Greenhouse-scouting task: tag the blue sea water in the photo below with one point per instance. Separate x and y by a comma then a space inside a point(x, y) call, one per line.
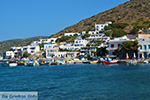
point(79, 82)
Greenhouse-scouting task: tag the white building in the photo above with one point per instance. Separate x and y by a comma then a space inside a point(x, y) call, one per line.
point(54, 53)
point(100, 27)
point(8, 54)
point(115, 43)
point(79, 42)
point(66, 46)
point(144, 50)
point(83, 50)
point(71, 34)
point(17, 51)
point(51, 40)
point(49, 46)
point(100, 36)
point(31, 49)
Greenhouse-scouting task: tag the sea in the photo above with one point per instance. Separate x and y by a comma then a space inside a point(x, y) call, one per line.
point(79, 81)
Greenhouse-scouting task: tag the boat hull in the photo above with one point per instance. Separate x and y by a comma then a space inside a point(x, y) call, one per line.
point(93, 62)
point(106, 63)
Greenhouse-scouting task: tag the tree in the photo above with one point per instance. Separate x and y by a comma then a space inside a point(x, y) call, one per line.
point(118, 33)
point(115, 30)
point(101, 51)
point(136, 29)
point(129, 47)
point(26, 54)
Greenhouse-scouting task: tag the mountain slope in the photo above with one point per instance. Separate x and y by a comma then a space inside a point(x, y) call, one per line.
point(6, 45)
point(134, 12)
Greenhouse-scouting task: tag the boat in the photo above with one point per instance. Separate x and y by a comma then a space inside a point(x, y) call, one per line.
point(9, 63)
point(31, 63)
point(94, 62)
point(109, 61)
point(85, 62)
point(146, 61)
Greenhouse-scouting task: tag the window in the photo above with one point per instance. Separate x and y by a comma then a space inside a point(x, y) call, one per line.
point(148, 46)
point(145, 47)
point(112, 45)
point(141, 47)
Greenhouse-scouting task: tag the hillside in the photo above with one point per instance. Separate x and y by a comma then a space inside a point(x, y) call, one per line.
point(134, 12)
point(6, 45)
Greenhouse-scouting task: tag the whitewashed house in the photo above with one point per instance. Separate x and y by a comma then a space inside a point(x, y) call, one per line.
point(67, 46)
point(115, 43)
point(17, 51)
point(100, 27)
point(8, 54)
point(49, 46)
point(51, 40)
point(71, 34)
point(31, 49)
point(79, 42)
point(88, 50)
point(55, 53)
point(144, 50)
point(100, 36)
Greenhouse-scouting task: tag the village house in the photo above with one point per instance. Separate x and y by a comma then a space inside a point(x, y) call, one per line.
point(144, 49)
point(8, 54)
point(115, 43)
point(49, 45)
point(17, 51)
point(87, 50)
point(71, 34)
point(55, 53)
point(51, 40)
point(31, 49)
point(100, 27)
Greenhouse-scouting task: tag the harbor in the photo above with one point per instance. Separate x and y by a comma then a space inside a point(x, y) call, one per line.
point(78, 81)
point(69, 61)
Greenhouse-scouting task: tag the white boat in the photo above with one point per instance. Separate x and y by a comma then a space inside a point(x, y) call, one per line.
point(146, 61)
point(9, 64)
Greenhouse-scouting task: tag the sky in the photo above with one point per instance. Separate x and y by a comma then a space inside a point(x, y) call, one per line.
point(29, 18)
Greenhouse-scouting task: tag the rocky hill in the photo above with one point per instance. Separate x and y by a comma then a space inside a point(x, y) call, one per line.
point(134, 12)
point(6, 45)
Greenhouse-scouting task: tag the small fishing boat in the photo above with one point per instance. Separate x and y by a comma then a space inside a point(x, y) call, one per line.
point(146, 61)
point(109, 61)
point(85, 62)
point(94, 62)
